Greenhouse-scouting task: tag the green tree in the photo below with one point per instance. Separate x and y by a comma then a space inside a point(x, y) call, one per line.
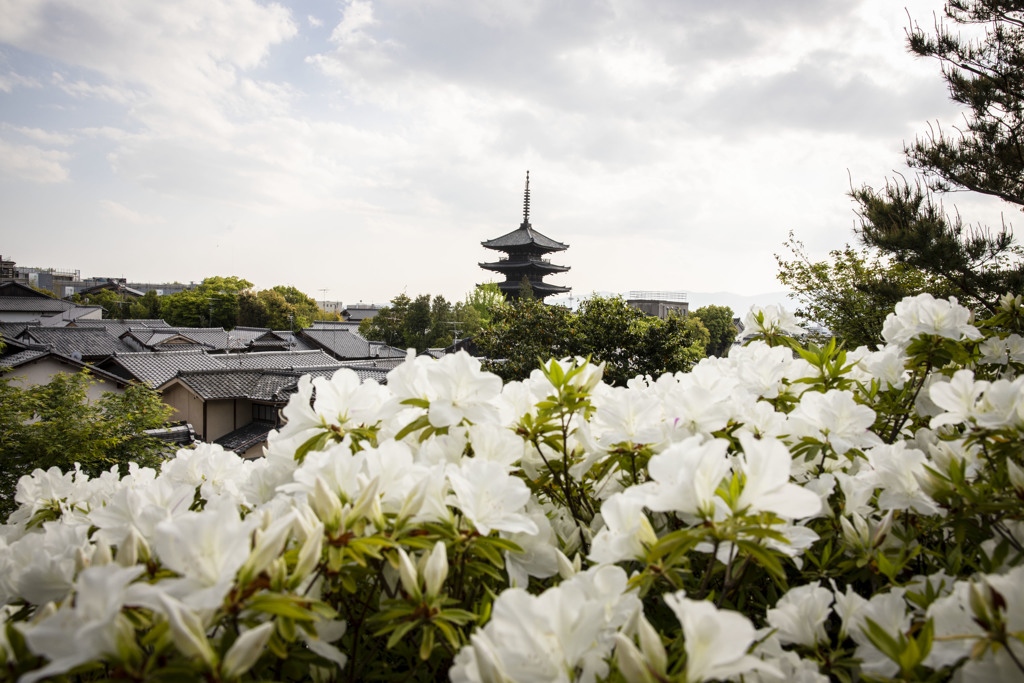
point(852, 292)
point(484, 299)
point(523, 332)
point(213, 303)
point(56, 424)
point(115, 305)
point(421, 323)
point(147, 307)
point(986, 155)
point(719, 323)
point(304, 307)
point(526, 331)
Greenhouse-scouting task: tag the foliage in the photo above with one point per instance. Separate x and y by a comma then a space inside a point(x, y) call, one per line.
point(852, 292)
point(115, 304)
point(986, 155)
point(786, 513)
point(606, 329)
point(718, 320)
point(483, 300)
point(424, 322)
point(57, 425)
point(986, 75)
point(146, 307)
point(212, 303)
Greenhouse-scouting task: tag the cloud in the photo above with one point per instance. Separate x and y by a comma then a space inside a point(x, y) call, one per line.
point(12, 80)
point(111, 210)
point(314, 21)
point(43, 137)
point(29, 162)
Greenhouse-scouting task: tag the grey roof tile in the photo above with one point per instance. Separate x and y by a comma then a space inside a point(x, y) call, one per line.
point(524, 236)
point(154, 368)
point(91, 343)
point(341, 344)
point(282, 360)
point(244, 438)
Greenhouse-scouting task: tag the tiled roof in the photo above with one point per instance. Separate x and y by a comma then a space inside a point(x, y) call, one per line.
point(90, 342)
point(336, 324)
point(523, 236)
point(341, 344)
point(258, 385)
point(281, 360)
point(150, 337)
point(116, 328)
point(34, 305)
point(71, 315)
point(21, 357)
point(359, 313)
point(244, 438)
point(154, 368)
point(10, 330)
point(31, 356)
point(295, 341)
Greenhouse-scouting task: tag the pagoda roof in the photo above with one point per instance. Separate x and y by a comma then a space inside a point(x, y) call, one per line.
point(522, 265)
point(539, 288)
point(525, 236)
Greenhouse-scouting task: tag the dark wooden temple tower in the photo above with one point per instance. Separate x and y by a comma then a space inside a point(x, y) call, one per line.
point(525, 248)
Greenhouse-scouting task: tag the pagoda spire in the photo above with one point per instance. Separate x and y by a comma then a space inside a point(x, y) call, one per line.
point(526, 201)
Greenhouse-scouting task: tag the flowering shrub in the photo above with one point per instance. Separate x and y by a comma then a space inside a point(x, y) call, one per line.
point(784, 513)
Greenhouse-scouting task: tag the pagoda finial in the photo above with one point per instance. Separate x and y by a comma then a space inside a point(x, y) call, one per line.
point(526, 201)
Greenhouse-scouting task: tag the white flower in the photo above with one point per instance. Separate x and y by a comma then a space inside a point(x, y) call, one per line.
point(490, 498)
point(924, 314)
point(626, 530)
point(835, 418)
point(888, 365)
point(463, 392)
point(90, 629)
point(716, 640)
point(958, 397)
point(246, 650)
point(685, 476)
point(1001, 351)
point(898, 471)
point(800, 614)
point(771, 319)
point(889, 611)
point(765, 464)
point(206, 548)
point(546, 637)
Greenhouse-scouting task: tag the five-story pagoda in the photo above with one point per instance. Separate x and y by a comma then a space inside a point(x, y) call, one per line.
point(525, 248)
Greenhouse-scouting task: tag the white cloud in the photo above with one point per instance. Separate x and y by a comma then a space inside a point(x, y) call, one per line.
point(29, 162)
point(44, 137)
point(314, 21)
point(11, 80)
point(111, 210)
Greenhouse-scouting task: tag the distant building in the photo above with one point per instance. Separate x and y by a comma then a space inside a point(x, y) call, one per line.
point(525, 248)
point(659, 304)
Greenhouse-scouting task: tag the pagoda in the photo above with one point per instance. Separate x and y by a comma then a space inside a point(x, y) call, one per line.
point(525, 248)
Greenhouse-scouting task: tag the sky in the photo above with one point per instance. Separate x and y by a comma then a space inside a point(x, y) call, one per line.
point(364, 148)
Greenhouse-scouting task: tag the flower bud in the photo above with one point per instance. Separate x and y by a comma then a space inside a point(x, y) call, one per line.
point(1016, 476)
point(653, 648)
point(246, 650)
point(436, 569)
point(630, 661)
point(326, 505)
point(407, 574)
